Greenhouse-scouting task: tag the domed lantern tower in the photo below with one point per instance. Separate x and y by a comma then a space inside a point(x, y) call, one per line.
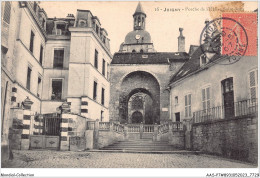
point(139, 18)
point(138, 40)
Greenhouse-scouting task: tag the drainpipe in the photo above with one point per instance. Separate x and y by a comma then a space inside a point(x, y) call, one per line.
point(6, 86)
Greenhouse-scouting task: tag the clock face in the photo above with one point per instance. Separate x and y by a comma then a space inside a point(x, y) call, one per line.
point(137, 37)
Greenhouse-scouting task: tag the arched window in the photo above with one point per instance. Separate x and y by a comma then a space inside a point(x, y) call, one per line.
point(141, 51)
point(133, 51)
point(137, 103)
point(139, 21)
point(143, 21)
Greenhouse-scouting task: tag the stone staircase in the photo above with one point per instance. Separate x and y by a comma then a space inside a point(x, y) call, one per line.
point(140, 145)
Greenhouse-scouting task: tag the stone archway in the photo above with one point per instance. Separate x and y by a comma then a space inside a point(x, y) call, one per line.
point(143, 84)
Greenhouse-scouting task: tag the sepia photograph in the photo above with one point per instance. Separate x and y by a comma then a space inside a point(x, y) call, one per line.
point(129, 84)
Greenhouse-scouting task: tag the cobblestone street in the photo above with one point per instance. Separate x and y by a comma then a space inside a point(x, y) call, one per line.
point(59, 159)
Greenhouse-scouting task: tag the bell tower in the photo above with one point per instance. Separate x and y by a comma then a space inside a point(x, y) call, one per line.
point(139, 18)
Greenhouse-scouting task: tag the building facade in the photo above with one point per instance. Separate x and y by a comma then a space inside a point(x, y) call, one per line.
point(41, 63)
point(205, 88)
point(140, 75)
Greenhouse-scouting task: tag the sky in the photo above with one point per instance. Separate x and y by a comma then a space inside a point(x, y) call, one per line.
point(163, 26)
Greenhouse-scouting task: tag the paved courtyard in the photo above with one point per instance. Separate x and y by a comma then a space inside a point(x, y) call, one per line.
point(60, 159)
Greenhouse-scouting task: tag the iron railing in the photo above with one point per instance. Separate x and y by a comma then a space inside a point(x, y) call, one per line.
point(238, 109)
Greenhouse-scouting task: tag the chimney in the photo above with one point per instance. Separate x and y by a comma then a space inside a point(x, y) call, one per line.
point(181, 41)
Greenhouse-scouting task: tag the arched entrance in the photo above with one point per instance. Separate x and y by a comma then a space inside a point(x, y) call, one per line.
point(140, 93)
point(137, 117)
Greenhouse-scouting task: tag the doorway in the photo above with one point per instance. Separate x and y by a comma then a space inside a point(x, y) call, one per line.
point(228, 97)
point(137, 117)
point(177, 117)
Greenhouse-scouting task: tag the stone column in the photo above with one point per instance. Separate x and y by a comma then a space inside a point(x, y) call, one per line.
point(96, 134)
point(25, 142)
point(170, 133)
point(111, 125)
point(155, 133)
point(126, 132)
point(64, 125)
point(141, 130)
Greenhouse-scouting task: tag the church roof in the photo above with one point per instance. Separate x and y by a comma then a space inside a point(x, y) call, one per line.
point(149, 58)
point(139, 9)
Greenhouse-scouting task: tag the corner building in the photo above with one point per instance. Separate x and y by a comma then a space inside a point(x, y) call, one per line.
point(140, 75)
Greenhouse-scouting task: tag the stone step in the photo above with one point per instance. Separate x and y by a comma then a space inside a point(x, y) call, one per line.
point(142, 149)
point(126, 145)
point(140, 145)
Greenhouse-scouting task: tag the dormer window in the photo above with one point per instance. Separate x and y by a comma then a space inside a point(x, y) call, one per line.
point(203, 60)
point(82, 23)
point(60, 28)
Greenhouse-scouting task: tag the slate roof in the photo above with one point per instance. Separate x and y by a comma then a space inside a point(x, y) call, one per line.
point(191, 65)
point(149, 58)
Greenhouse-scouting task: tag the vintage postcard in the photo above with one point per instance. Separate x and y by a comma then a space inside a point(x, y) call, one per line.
point(129, 84)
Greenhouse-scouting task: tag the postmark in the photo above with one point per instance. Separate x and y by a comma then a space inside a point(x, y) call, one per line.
point(226, 37)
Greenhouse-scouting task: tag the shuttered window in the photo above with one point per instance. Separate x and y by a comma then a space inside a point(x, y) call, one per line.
point(103, 96)
point(41, 54)
point(206, 98)
point(28, 82)
point(32, 41)
point(188, 105)
point(96, 59)
point(7, 12)
point(95, 90)
point(253, 84)
point(104, 67)
point(58, 58)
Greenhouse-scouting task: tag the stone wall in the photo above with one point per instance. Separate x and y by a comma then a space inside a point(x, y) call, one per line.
point(177, 139)
point(232, 138)
point(109, 137)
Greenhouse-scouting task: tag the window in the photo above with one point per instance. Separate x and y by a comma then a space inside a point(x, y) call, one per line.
point(7, 12)
point(107, 72)
point(41, 54)
point(253, 84)
point(141, 51)
point(203, 60)
point(133, 51)
point(58, 58)
point(96, 59)
point(95, 90)
point(32, 41)
point(103, 96)
point(39, 86)
point(102, 116)
point(104, 67)
point(206, 99)
point(188, 105)
point(28, 83)
point(137, 103)
point(56, 89)
point(176, 100)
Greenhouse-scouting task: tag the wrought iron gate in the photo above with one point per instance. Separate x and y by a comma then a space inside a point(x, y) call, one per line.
point(47, 132)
